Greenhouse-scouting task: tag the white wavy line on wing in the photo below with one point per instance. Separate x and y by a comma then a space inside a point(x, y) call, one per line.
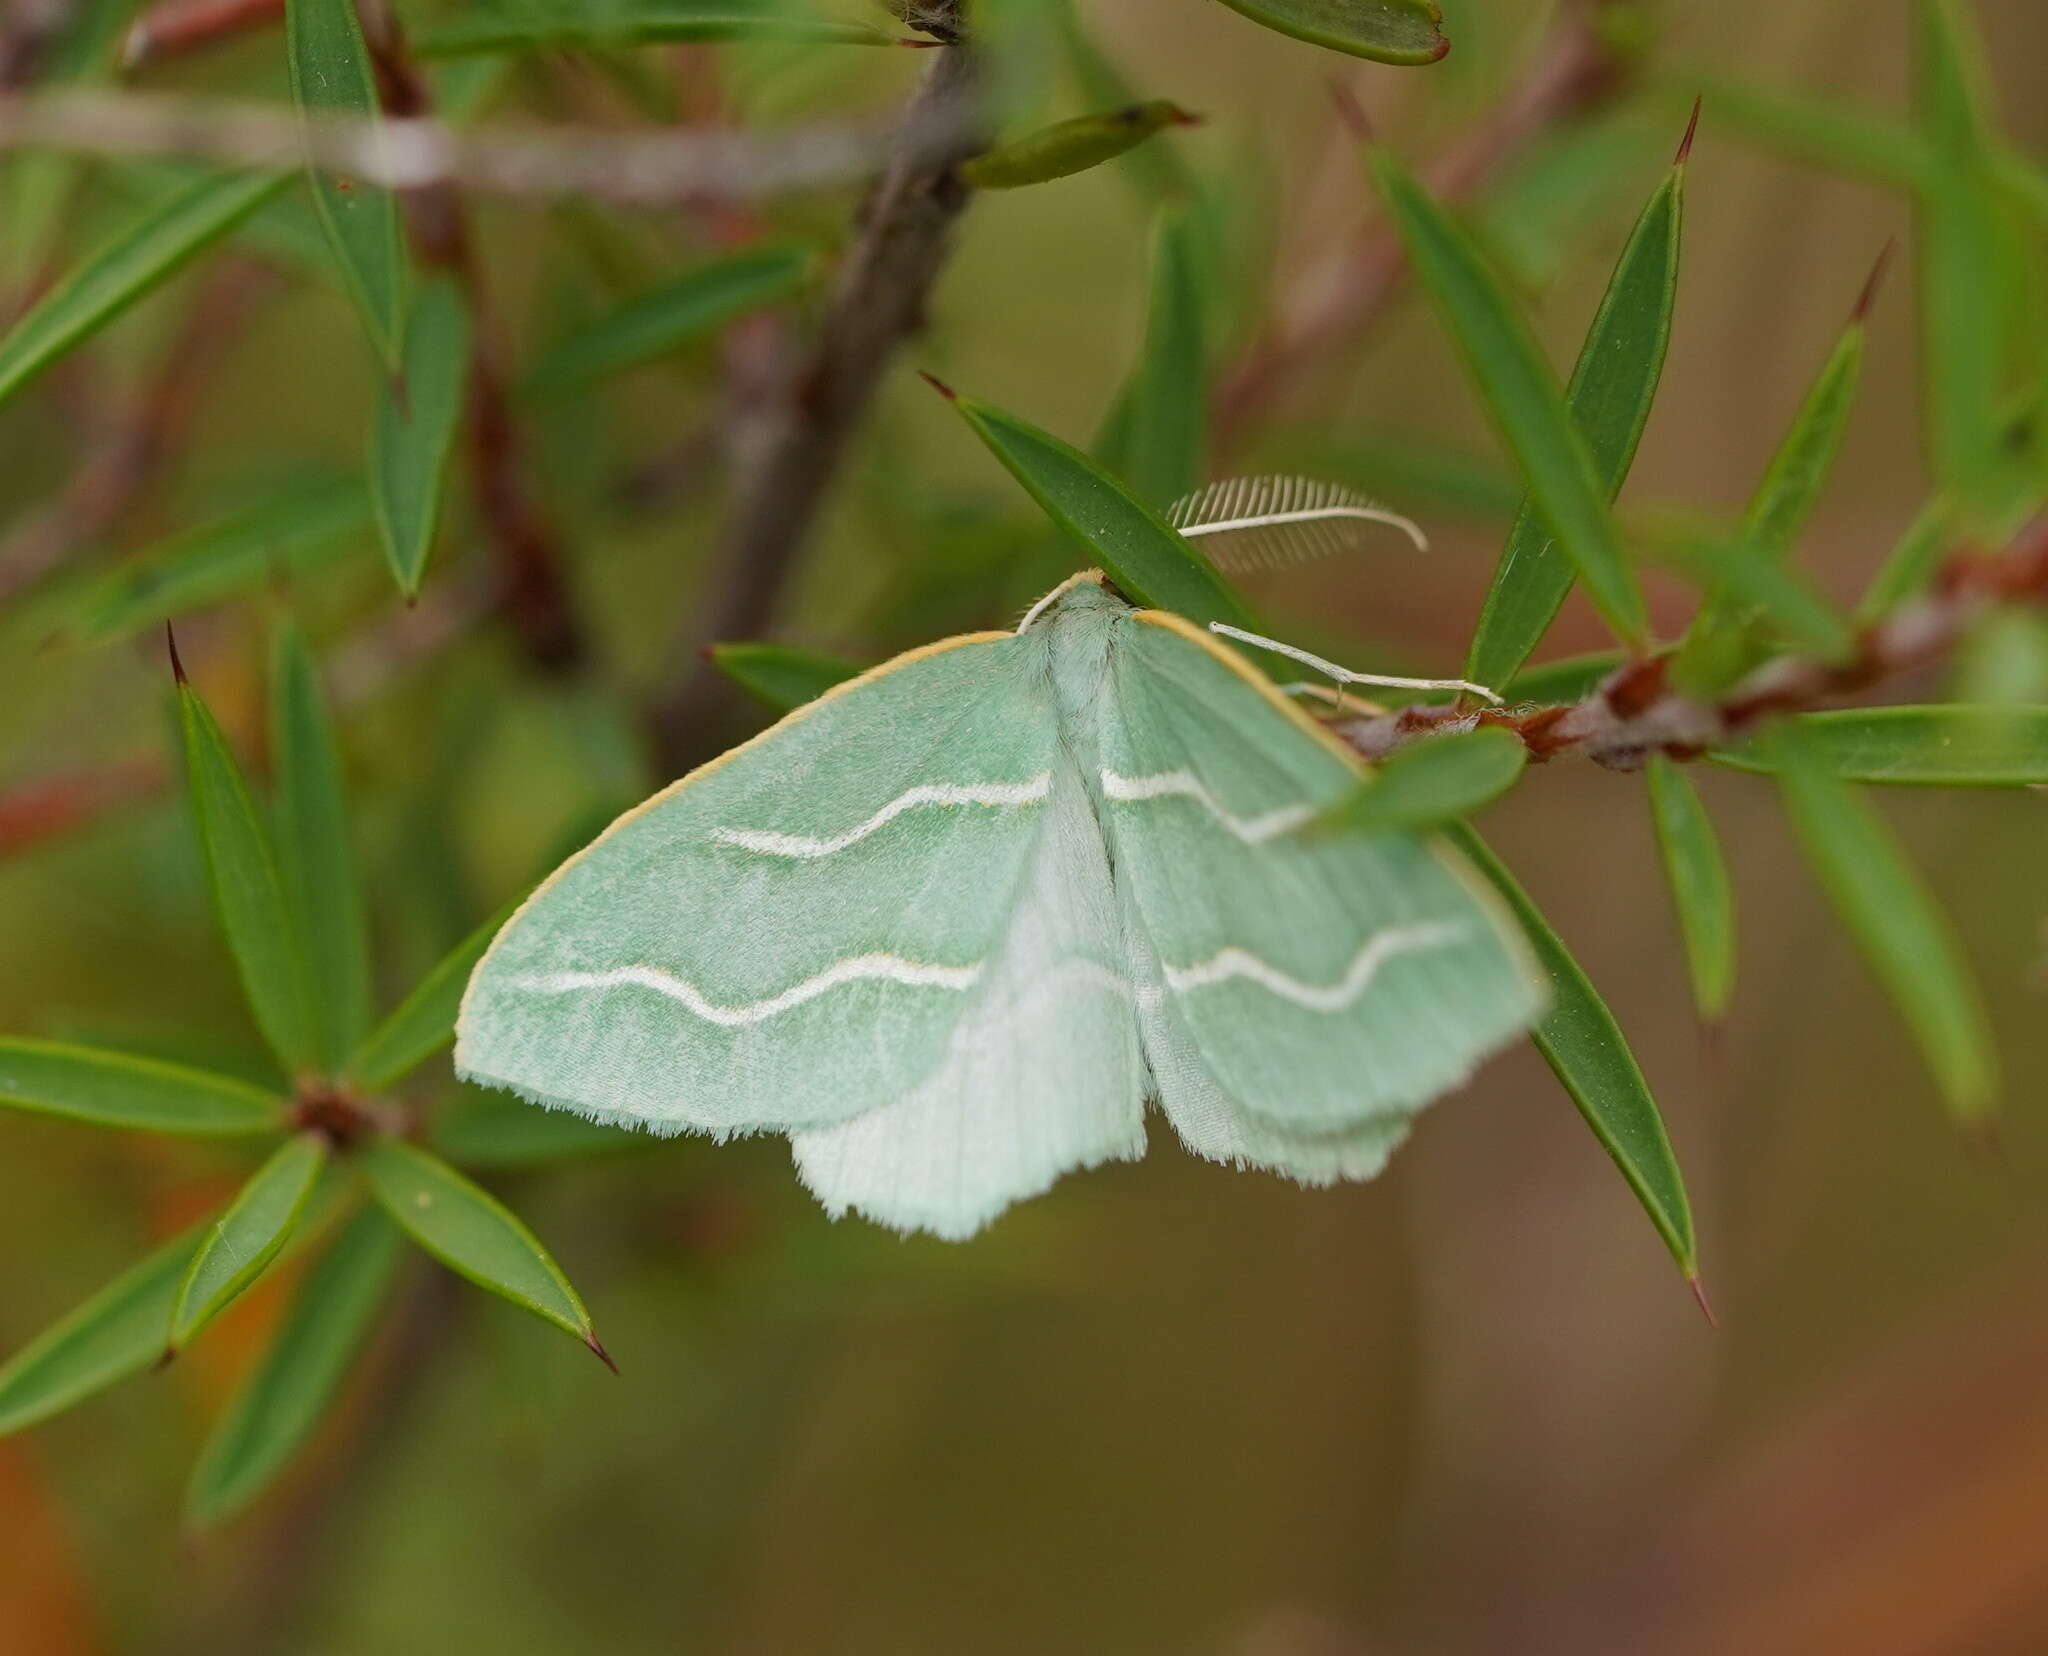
point(1186, 785)
point(1379, 949)
point(886, 968)
point(772, 843)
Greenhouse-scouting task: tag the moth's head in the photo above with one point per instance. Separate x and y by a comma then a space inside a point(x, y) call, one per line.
point(1088, 593)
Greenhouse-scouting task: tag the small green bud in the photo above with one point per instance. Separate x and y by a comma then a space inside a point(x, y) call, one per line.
point(1071, 146)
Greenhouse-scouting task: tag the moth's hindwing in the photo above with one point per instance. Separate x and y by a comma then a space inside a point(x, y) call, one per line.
point(1316, 983)
point(1043, 1073)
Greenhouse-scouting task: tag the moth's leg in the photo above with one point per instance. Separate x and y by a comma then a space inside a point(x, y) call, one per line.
point(1333, 696)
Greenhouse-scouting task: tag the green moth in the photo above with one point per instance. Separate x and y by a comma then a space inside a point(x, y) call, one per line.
point(952, 925)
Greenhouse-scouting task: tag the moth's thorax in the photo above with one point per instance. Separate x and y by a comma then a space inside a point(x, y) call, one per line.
point(1077, 632)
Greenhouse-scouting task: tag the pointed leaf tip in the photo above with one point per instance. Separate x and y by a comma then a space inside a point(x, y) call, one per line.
point(1699, 1293)
point(939, 386)
point(1692, 129)
point(603, 1356)
point(177, 666)
point(1867, 299)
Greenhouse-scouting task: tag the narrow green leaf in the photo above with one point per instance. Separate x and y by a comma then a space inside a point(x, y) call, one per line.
point(1150, 562)
point(1963, 248)
point(1799, 469)
point(111, 1089)
point(1699, 884)
point(117, 1333)
point(217, 561)
point(1612, 387)
point(414, 429)
point(248, 892)
point(1160, 170)
point(1521, 395)
point(424, 1021)
point(276, 1409)
point(472, 1233)
point(166, 237)
point(1419, 788)
point(495, 1130)
point(1387, 31)
point(567, 28)
point(331, 75)
point(700, 300)
point(780, 677)
point(1740, 575)
point(1584, 1046)
point(1912, 565)
point(315, 859)
point(1156, 437)
point(1721, 643)
point(1071, 146)
point(1949, 746)
point(246, 1237)
point(1904, 936)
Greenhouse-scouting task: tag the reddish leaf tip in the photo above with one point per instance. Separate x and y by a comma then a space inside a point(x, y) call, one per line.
point(939, 386)
point(164, 1361)
point(1867, 299)
point(177, 666)
point(1351, 111)
point(603, 1356)
point(1699, 1293)
point(1692, 128)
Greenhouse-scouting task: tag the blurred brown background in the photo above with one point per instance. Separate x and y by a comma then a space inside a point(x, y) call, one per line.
point(1169, 1408)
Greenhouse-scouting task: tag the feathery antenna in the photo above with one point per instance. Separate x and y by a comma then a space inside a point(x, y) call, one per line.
point(1267, 522)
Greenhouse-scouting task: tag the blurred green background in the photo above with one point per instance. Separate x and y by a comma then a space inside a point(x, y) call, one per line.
point(1169, 1407)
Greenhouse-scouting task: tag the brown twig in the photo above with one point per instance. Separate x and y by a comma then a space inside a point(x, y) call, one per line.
point(877, 303)
point(536, 597)
point(1635, 713)
point(1336, 298)
point(625, 169)
point(126, 456)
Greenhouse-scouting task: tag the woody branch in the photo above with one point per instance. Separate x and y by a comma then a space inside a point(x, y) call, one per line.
point(1636, 713)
